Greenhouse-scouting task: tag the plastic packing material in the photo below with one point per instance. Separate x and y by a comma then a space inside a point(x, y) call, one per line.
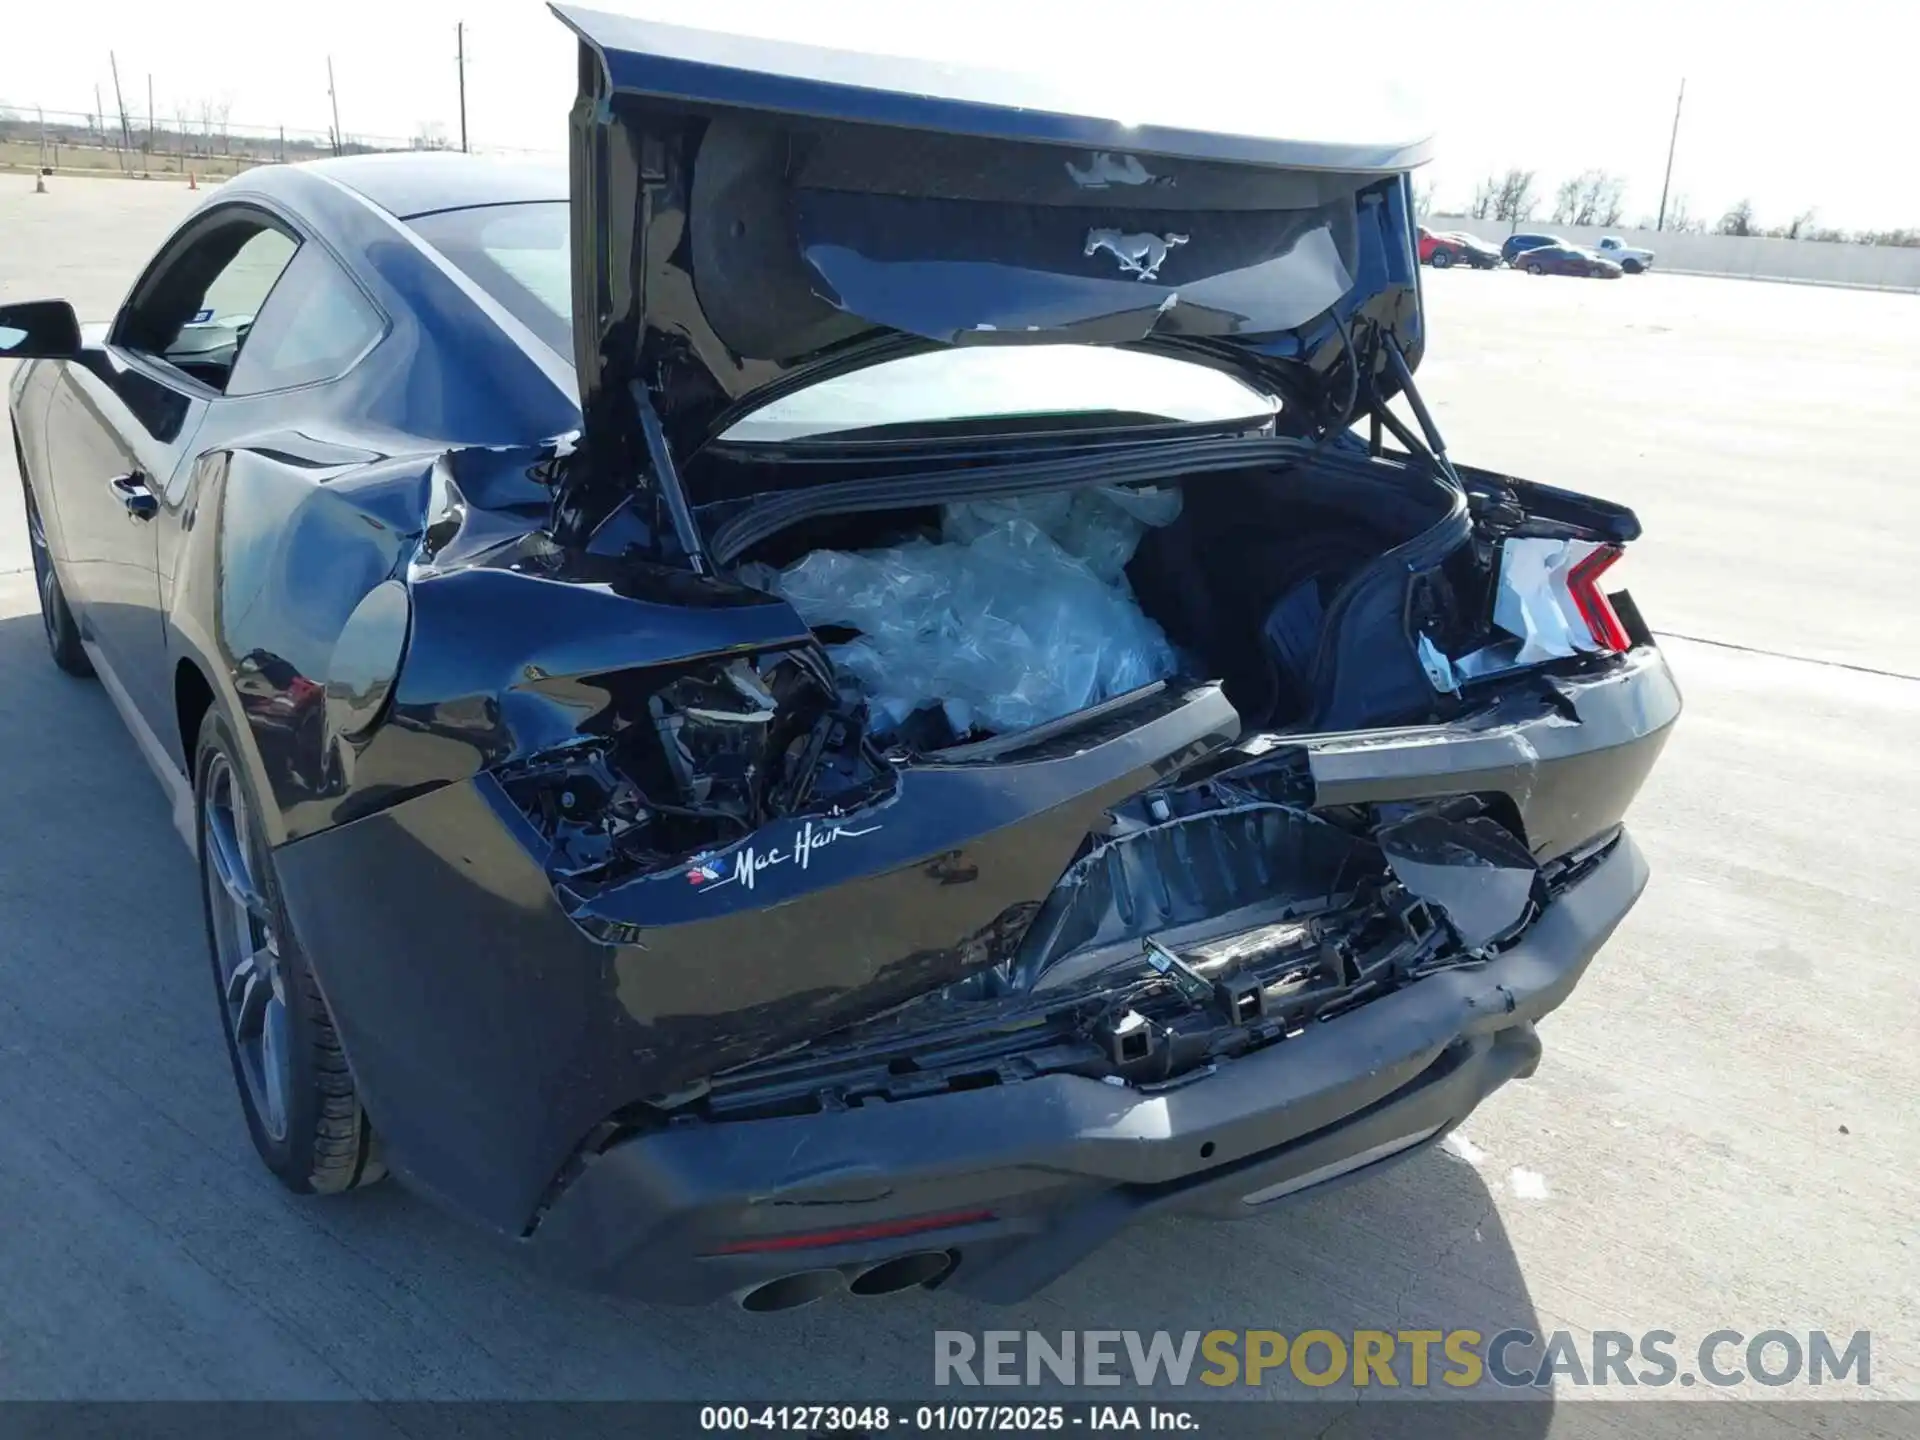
point(1018, 615)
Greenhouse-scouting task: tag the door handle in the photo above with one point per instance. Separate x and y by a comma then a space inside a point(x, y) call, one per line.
point(132, 492)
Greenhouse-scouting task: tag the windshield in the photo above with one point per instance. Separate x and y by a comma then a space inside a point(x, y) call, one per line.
point(520, 256)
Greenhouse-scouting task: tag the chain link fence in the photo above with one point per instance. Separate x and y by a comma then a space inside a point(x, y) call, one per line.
point(205, 144)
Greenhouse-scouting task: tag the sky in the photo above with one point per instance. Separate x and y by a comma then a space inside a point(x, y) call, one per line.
point(1793, 108)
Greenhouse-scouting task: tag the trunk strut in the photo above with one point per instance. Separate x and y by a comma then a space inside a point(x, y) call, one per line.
point(666, 475)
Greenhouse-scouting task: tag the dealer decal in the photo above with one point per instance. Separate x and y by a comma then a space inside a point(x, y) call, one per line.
point(749, 863)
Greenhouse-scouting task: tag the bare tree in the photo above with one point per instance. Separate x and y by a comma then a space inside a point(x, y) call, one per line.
point(1738, 220)
point(1566, 201)
point(220, 110)
point(1681, 219)
point(1423, 199)
point(1610, 201)
point(1906, 237)
point(1593, 197)
point(432, 135)
point(1800, 227)
point(1483, 197)
point(1514, 199)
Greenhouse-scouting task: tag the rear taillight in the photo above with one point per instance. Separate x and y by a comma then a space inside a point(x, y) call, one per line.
point(1596, 610)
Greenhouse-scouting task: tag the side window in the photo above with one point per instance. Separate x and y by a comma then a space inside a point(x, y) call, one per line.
point(315, 324)
point(195, 309)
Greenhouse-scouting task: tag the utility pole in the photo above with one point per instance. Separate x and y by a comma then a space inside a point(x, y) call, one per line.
point(460, 40)
point(334, 96)
point(1660, 222)
point(150, 133)
point(120, 103)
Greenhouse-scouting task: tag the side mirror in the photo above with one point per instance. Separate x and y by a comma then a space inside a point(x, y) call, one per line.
point(39, 330)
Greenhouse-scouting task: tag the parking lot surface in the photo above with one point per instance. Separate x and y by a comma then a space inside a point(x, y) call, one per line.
point(1722, 1133)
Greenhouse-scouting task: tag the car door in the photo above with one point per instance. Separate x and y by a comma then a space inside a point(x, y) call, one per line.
point(121, 427)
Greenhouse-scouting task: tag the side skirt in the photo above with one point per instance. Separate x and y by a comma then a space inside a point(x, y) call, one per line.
point(179, 792)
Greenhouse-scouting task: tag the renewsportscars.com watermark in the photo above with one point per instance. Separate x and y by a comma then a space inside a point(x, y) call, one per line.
point(1414, 1359)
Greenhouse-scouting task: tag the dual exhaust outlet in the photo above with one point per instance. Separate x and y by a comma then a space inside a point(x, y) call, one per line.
point(887, 1277)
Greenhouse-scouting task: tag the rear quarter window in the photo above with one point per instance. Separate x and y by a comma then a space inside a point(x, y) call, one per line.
point(315, 325)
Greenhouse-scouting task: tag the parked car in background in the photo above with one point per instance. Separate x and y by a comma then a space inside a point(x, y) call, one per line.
point(1516, 245)
point(1627, 257)
point(1453, 247)
point(1567, 260)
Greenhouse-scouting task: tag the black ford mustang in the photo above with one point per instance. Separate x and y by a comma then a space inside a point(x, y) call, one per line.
point(440, 529)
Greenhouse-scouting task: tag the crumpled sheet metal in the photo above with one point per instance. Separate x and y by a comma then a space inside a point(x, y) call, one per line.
point(1018, 615)
point(1473, 871)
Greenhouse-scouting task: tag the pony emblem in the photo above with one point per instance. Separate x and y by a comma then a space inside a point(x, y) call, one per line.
point(1140, 256)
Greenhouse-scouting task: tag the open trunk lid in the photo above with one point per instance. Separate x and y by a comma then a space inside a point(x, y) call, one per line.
point(751, 216)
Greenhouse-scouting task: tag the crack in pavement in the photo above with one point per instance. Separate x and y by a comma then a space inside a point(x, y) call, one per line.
point(1786, 655)
point(1470, 1234)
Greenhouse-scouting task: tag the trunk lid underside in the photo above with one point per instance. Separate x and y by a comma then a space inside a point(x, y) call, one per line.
point(751, 216)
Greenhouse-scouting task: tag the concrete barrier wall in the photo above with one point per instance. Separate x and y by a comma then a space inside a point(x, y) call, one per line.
point(1758, 257)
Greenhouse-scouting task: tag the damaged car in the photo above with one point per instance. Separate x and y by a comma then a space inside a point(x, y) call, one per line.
point(884, 677)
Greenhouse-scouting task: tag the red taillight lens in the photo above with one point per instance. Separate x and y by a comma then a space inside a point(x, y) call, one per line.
point(852, 1234)
point(1583, 584)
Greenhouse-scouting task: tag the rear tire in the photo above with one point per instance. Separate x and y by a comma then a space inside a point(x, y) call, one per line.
point(1532, 267)
point(296, 1091)
point(1441, 259)
point(56, 617)
point(1632, 267)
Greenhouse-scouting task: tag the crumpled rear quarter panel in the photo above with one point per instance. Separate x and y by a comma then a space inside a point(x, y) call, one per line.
point(489, 1032)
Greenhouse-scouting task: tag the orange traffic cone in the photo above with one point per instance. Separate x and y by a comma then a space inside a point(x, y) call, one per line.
point(193, 181)
point(40, 184)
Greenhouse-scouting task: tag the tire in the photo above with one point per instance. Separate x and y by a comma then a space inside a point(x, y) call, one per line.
point(1632, 267)
point(296, 1090)
point(1441, 259)
point(56, 618)
point(1532, 267)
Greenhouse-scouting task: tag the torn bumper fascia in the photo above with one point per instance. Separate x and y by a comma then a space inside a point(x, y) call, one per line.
point(1055, 1167)
point(1570, 752)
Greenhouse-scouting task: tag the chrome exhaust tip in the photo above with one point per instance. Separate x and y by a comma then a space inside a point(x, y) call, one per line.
point(790, 1292)
point(903, 1272)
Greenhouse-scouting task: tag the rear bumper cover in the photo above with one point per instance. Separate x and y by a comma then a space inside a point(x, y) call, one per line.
point(1064, 1162)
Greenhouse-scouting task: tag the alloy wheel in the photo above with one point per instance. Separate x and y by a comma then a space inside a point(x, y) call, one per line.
point(246, 949)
